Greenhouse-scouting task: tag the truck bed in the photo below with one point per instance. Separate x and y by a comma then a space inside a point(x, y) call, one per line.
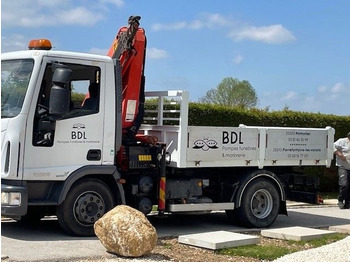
point(255, 146)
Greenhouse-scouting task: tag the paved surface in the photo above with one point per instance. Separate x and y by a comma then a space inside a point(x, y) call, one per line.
point(218, 240)
point(296, 233)
point(341, 229)
point(46, 241)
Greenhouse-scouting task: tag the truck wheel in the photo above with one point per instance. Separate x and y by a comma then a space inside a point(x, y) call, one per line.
point(260, 204)
point(86, 202)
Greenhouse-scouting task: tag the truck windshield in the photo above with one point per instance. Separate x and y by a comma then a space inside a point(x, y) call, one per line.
point(15, 76)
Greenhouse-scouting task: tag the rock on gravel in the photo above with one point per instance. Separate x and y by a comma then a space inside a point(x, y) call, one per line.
point(338, 251)
point(126, 231)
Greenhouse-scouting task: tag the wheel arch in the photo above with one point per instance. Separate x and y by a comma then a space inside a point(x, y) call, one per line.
point(107, 174)
point(261, 174)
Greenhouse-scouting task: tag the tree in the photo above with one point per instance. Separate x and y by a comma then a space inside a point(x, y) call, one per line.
point(232, 92)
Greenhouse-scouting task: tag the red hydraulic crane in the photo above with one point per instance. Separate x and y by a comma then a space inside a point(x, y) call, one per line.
point(129, 47)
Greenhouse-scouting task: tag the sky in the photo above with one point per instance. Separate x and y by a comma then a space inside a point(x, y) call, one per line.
point(295, 54)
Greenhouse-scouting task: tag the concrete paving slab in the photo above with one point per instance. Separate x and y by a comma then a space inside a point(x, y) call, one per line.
point(295, 233)
point(341, 228)
point(330, 202)
point(218, 240)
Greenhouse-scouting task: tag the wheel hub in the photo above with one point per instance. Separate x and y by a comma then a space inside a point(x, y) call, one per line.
point(261, 204)
point(89, 207)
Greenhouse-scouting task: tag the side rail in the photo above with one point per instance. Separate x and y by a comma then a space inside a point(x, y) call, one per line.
point(166, 108)
point(166, 117)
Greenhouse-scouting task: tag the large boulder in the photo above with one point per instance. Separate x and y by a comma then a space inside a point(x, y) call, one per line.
point(126, 231)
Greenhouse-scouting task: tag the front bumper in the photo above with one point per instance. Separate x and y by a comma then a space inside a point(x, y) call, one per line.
point(15, 210)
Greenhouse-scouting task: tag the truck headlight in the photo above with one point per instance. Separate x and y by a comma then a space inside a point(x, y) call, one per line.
point(11, 198)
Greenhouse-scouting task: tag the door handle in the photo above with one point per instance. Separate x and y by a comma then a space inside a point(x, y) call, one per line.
point(94, 155)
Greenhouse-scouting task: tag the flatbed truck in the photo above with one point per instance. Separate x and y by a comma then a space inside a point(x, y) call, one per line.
point(77, 156)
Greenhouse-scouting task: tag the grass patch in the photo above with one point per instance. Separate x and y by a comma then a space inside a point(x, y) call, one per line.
point(268, 252)
point(329, 195)
point(320, 241)
point(168, 246)
point(278, 248)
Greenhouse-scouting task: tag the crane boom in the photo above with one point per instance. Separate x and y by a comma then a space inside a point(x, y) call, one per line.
point(129, 47)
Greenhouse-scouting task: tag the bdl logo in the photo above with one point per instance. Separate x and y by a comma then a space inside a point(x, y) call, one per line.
point(78, 134)
point(227, 138)
point(205, 144)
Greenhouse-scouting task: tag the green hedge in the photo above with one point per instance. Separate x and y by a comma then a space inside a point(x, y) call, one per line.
point(214, 115)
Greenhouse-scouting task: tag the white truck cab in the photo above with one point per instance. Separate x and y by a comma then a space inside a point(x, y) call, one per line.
point(44, 136)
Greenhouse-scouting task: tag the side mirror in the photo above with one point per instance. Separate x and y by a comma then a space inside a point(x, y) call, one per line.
point(60, 93)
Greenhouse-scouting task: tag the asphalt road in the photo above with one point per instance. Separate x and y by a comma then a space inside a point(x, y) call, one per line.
point(46, 242)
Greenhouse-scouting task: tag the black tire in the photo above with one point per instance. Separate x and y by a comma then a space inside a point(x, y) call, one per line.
point(85, 203)
point(259, 206)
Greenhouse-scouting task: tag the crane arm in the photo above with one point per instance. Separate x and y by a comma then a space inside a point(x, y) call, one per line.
point(129, 47)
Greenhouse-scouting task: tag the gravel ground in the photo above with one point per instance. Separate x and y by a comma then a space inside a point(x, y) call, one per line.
point(171, 250)
point(338, 252)
point(168, 249)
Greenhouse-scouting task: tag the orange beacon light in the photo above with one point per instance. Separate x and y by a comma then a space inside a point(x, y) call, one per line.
point(39, 44)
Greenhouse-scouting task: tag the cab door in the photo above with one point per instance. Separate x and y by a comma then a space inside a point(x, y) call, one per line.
point(57, 147)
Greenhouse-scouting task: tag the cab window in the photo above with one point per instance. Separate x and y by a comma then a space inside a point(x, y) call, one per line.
point(84, 99)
